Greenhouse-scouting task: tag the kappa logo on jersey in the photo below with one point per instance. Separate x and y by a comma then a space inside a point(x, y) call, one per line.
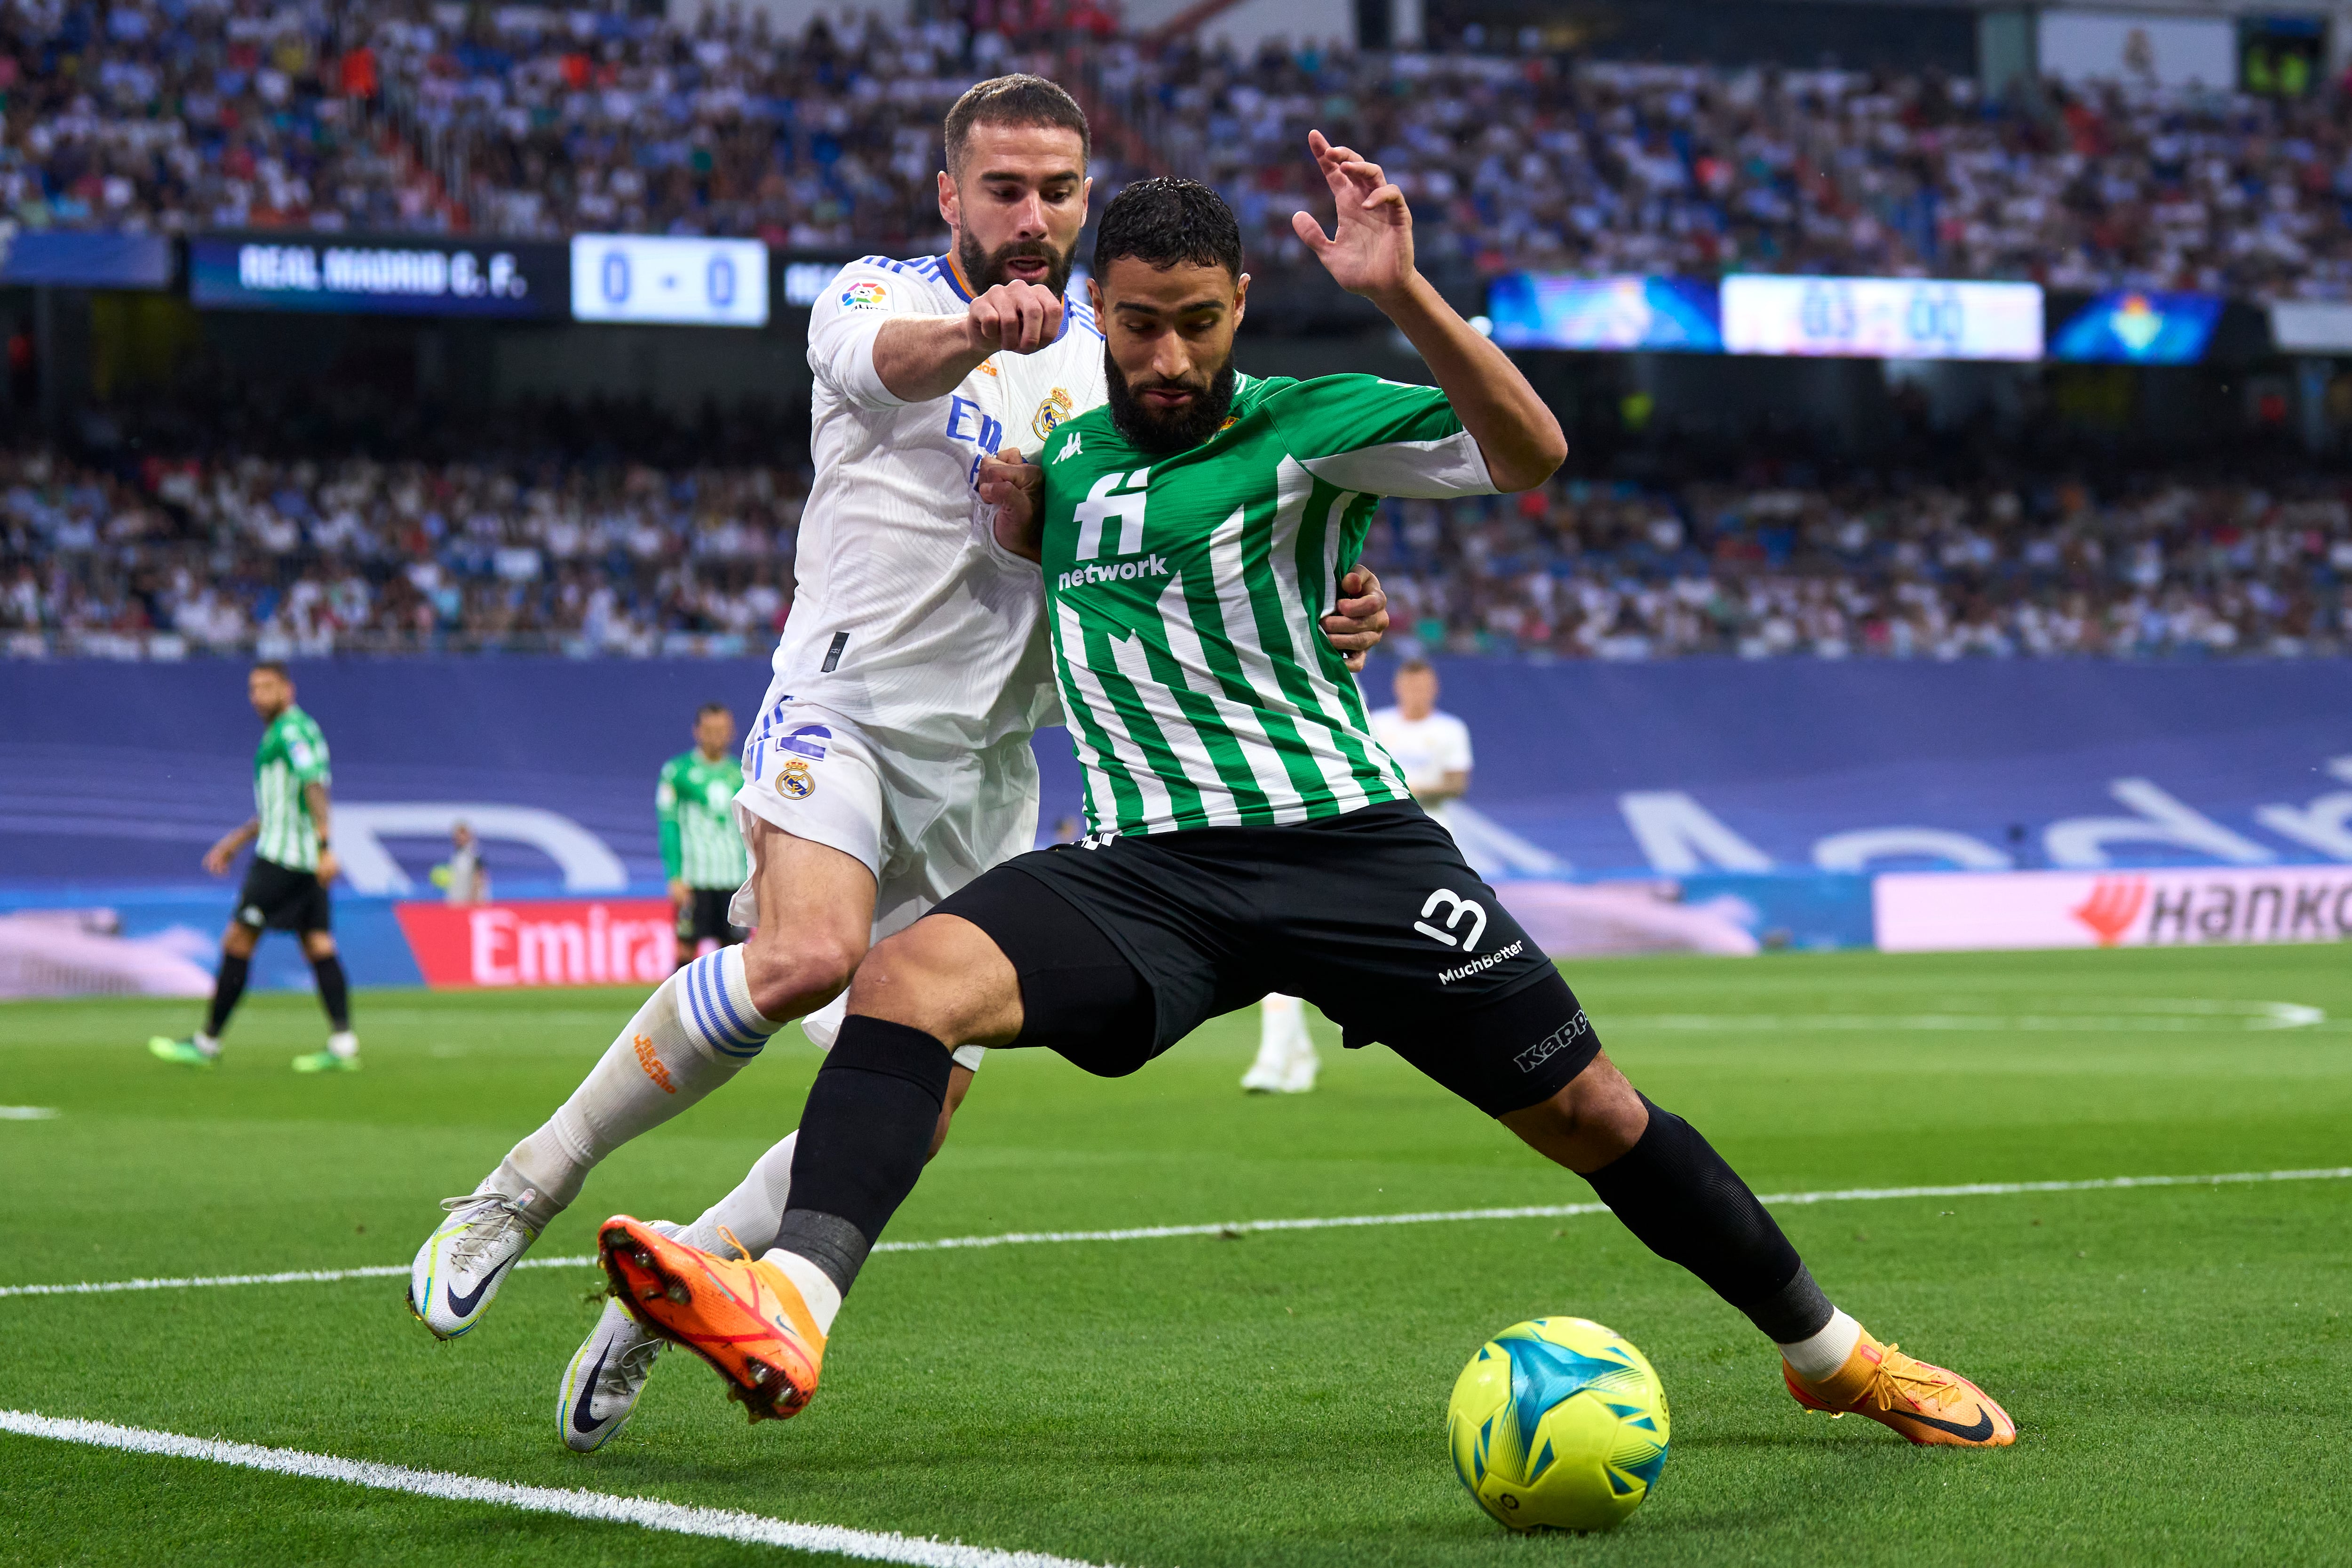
point(865, 294)
point(1058, 405)
point(1551, 1045)
point(1459, 909)
point(793, 779)
point(1077, 443)
point(1115, 498)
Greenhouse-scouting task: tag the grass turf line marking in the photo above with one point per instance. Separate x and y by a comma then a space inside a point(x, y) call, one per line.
point(28, 1113)
point(647, 1513)
point(1253, 1227)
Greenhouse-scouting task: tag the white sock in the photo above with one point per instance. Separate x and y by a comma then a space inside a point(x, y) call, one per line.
point(816, 1287)
point(206, 1044)
point(692, 1035)
point(1277, 1016)
point(753, 1210)
point(344, 1045)
point(1818, 1356)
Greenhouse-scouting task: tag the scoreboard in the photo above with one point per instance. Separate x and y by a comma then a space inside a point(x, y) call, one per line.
point(1881, 318)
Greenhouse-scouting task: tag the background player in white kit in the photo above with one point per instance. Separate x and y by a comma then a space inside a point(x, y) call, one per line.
point(1433, 750)
point(889, 762)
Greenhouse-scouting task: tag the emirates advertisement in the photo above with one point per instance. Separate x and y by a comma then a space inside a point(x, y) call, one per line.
point(2172, 907)
point(554, 942)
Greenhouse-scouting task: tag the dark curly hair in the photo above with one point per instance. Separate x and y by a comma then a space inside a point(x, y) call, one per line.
point(1165, 221)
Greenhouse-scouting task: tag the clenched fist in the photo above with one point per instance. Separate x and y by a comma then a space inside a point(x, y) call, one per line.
point(1015, 318)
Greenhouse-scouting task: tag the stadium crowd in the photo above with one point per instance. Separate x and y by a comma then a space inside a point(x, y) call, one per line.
point(177, 114)
point(306, 557)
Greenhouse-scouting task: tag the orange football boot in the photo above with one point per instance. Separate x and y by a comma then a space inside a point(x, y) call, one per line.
point(1924, 1402)
point(744, 1317)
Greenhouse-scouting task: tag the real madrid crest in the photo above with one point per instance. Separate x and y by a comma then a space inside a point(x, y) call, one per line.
point(795, 780)
point(1057, 407)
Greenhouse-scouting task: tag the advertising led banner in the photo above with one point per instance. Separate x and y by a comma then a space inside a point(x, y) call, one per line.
point(1556, 311)
point(2135, 326)
point(409, 275)
point(2311, 326)
point(72, 259)
point(1881, 318)
point(551, 942)
point(2185, 907)
point(678, 282)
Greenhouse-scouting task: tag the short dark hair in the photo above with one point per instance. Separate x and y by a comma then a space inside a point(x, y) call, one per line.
point(708, 708)
point(276, 667)
point(1017, 100)
point(1167, 221)
point(1416, 666)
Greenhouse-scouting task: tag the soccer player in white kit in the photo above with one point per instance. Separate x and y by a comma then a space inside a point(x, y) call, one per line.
point(889, 762)
point(1433, 750)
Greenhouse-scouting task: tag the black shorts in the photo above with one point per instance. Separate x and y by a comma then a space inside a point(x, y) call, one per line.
point(1124, 948)
point(280, 898)
point(706, 915)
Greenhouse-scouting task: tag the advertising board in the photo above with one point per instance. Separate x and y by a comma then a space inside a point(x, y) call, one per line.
point(1957, 911)
point(413, 275)
point(1881, 318)
point(550, 941)
point(1556, 311)
point(2139, 326)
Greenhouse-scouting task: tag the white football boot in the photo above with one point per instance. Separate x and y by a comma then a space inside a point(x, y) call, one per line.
point(459, 1268)
point(1298, 1073)
point(606, 1375)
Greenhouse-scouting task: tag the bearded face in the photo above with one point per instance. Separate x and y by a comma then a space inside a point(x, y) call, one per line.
point(1166, 415)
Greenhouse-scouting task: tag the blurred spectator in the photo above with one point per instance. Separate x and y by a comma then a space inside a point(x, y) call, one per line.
point(309, 557)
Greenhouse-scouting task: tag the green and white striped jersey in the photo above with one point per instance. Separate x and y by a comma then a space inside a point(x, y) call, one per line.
point(293, 754)
point(695, 804)
point(1185, 593)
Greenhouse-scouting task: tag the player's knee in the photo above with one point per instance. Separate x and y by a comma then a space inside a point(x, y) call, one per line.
point(1595, 1117)
point(798, 971)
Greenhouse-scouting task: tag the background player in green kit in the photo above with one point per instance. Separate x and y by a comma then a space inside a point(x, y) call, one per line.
point(702, 850)
point(286, 887)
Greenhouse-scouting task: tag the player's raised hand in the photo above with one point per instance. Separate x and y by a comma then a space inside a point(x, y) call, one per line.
point(1015, 318)
point(1369, 251)
point(1016, 486)
point(1361, 617)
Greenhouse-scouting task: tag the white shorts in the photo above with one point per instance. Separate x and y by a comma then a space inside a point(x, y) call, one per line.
point(924, 822)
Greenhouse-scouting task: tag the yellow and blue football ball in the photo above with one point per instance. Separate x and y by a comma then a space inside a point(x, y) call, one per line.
point(1557, 1424)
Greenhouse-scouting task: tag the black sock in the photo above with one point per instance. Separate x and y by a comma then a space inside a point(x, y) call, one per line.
point(228, 984)
point(334, 992)
point(865, 1136)
point(1675, 1192)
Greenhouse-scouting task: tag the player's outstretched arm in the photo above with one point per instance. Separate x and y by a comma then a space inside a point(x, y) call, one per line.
point(920, 358)
point(1370, 253)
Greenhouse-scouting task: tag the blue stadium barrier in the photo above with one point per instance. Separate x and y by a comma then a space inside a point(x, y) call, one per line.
point(1783, 783)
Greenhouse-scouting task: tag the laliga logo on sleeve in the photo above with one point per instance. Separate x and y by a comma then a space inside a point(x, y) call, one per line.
point(865, 294)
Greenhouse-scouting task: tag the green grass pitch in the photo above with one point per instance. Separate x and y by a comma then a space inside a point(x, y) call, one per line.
point(2177, 1358)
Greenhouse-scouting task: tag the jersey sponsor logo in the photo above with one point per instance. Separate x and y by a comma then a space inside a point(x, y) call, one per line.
point(865, 294)
point(1551, 1045)
point(794, 780)
point(1116, 572)
point(1077, 443)
point(1481, 964)
point(1114, 498)
point(1458, 909)
point(968, 422)
point(1058, 405)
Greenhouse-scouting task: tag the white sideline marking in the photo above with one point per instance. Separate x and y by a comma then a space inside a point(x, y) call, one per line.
point(1251, 1227)
point(647, 1513)
point(29, 1113)
point(2200, 1017)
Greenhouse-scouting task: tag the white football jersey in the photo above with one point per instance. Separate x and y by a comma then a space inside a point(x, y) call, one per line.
point(908, 617)
point(1426, 749)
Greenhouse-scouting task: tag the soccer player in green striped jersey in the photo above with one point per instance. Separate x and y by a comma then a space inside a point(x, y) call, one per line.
point(286, 887)
point(1250, 833)
point(701, 848)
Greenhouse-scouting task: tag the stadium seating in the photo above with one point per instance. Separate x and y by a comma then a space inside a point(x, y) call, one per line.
point(312, 557)
point(526, 120)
